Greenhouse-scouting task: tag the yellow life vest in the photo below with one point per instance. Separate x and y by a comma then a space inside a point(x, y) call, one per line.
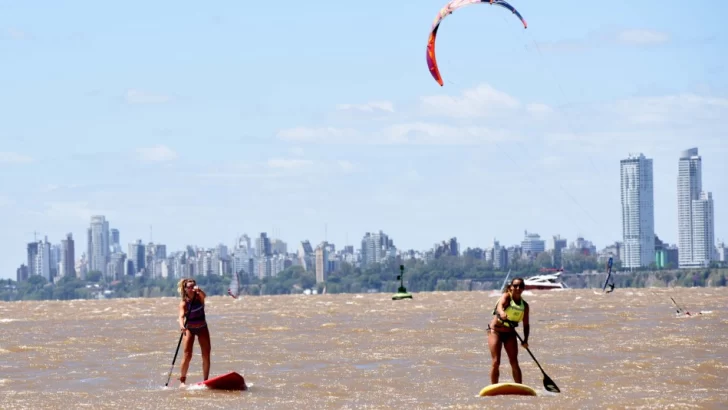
point(514, 312)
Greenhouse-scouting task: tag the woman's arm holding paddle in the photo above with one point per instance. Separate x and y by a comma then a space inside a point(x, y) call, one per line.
point(501, 308)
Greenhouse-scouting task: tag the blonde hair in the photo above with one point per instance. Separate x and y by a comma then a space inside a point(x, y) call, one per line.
point(181, 286)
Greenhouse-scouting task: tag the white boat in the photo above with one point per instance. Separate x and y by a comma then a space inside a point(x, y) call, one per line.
point(545, 282)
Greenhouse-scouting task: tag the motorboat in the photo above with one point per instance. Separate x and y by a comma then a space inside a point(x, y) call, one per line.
point(545, 282)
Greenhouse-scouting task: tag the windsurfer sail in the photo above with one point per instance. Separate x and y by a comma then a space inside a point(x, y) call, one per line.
point(234, 288)
point(609, 276)
point(681, 310)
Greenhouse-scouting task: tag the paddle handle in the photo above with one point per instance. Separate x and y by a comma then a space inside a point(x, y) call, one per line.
point(179, 343)
point(175, 356)
point(529, 352)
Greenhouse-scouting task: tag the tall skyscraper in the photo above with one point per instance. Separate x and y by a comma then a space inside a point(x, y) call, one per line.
point(115, 241)
point(638, 211)
point(99, 249)
point(137, 256)
point(68, 256)
point(696, 225)
point(703, 229)
point(262, 245)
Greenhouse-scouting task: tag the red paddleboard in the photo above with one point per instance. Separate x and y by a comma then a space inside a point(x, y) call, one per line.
point(230, 381)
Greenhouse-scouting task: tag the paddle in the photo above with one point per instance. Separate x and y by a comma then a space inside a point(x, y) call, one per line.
point(679, 309)
point(548, 384)
point(179, 343)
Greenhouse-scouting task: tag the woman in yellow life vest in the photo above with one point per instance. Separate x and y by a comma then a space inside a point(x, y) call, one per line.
point(510, 310)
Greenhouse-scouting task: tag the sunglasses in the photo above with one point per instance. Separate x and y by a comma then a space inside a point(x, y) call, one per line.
point(519, 286)
point(190, 286)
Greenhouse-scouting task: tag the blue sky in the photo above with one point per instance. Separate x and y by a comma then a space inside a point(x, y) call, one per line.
point(321, 120)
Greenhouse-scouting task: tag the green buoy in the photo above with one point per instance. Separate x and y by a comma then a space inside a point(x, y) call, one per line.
point(402, 291)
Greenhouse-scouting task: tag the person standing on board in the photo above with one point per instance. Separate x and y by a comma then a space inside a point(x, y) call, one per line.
point(192, 322)
point(510, 310)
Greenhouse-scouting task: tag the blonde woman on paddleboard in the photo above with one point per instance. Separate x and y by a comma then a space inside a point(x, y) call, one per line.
point(192, 322)
point(510, 310)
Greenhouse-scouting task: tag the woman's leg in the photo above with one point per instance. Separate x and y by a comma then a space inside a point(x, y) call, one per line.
point(187, 343)
point(495, 345)
point(205, 346)
point(511, 346)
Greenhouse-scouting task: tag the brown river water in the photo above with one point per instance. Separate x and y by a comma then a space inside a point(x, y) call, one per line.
point(624, 350)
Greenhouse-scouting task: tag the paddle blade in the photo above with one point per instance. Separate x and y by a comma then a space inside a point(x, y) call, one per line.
point(549, 384)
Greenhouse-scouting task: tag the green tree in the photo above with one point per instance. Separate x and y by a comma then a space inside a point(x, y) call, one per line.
point(93, 276)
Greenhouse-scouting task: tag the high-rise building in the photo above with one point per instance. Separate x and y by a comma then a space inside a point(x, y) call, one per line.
point(32, 257)
point(115, 238)
point(638, 211)
point(114, 241)
point(99, 249)
point(696, 224)
point(322, 262)
point(262, 245)
point(137, 257)
point(42, 265)
point(532, 243)
point(375, 247)
point(703, 229)
point(68, 256)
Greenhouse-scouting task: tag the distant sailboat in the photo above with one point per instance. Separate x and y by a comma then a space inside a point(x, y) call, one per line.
point(503, 286)
point(234, 288)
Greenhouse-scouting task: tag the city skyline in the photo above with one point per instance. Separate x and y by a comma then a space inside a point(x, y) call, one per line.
point(637, 181)
point(206, 123)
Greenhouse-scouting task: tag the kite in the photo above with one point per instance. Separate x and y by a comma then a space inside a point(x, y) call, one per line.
point(447, 10)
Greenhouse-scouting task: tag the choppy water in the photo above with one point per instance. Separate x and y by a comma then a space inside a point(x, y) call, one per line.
point(626, 349)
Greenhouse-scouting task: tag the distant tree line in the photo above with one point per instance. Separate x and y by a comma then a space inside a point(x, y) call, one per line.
point(468, 271)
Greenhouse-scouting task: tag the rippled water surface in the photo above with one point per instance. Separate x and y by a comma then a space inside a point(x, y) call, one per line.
point(627, 349)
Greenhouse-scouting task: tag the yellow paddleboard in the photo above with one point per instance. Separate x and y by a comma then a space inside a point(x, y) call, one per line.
point(507, 388)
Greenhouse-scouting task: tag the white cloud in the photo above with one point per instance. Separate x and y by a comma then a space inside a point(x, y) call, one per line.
point(671, 109)
point(372, 106)
point(538, 109)
point(14, 158)
point(417, 133)
point(655, 123)
point(79, 211)
point(297, 151)
point(442, 134)
point(642, 37)
point(17, 34)
point(412, 175)
point(157, 153)
point(666, 123)
point(276, 169)
point(289, 163)
point(316, 134)
point(345, 165)
point(134, 96)
point(5, 201)
point(481, 101)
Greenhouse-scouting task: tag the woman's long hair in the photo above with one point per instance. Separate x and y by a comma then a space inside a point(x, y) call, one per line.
point(181, 286)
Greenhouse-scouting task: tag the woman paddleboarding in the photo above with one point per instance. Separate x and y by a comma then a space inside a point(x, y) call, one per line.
point(510, 310)
point(192, 323)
